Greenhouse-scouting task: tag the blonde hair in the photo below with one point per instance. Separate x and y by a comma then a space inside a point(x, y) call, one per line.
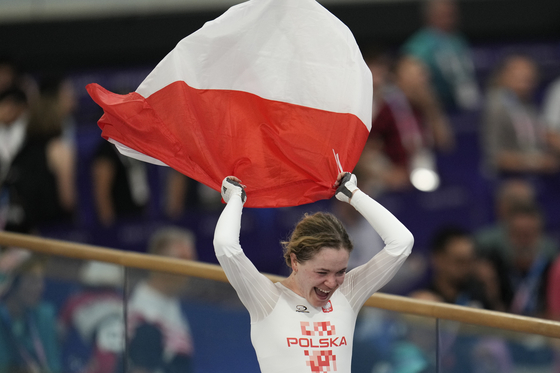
point(313, 233)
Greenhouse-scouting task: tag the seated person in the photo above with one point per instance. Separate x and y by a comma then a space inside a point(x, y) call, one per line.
point(28, 338)
point(92, 320)
point(510, 193)
point(159, 332)
point(407, 128)
point(453, 277)
point(523, 262)
point(513, 136)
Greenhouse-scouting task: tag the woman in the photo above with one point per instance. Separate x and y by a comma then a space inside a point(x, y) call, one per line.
point(306, 322)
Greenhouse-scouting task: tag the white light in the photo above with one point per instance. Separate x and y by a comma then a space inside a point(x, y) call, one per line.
point(424, 179)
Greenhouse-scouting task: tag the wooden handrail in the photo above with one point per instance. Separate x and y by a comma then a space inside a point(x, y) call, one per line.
point(214, 272)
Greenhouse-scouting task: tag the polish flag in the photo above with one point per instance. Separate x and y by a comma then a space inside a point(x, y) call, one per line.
point(274, 92)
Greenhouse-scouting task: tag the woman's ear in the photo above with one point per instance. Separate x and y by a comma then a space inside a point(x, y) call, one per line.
point(293, 260)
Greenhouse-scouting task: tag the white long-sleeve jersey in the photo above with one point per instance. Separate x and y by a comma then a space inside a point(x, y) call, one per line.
point(288, 333)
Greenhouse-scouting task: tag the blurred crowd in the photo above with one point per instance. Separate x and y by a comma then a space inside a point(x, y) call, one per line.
point(511, 265)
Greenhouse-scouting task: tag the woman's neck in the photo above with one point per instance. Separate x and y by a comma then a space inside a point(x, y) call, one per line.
point(290, 283)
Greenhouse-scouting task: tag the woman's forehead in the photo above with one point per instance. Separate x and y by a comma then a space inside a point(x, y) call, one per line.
point(330, 257)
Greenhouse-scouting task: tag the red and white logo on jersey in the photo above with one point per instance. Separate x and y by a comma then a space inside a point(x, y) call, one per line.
point(327, 307)
point(319, 359)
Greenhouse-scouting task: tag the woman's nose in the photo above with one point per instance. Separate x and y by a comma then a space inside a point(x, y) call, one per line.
point(331, 282)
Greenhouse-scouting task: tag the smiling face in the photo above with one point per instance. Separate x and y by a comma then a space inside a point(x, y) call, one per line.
point(317, 278)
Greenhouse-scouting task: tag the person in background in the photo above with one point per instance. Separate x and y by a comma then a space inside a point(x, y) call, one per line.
point(13, 76)
point(120, 184)
point(380, 63)
point(41, 179)
point(447, 55)
point(185, 194)
point(91, 322)
point(494, 237)
point(453, 278)
point(159, 332)
point(553, 291)
point(13, 126)
point(9, 73)
point(523, 263)
point(408, 127)
point(514, 138)
point(28, 337)
point(551, 114)
point(459, 277)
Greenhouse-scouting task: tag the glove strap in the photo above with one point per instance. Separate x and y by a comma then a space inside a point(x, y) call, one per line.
point(233, 182)
point(342, 188)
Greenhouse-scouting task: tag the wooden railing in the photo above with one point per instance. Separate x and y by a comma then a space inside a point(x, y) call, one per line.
point(213, 272)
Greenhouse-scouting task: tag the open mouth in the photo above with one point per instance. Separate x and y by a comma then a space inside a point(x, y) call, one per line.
point(322, 294)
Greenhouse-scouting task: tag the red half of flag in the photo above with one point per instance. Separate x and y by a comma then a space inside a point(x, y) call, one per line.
point(283, 152)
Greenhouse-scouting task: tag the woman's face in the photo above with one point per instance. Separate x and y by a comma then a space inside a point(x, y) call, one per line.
point(318, 278)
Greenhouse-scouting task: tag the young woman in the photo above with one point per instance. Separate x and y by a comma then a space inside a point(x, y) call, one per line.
point(305, 323)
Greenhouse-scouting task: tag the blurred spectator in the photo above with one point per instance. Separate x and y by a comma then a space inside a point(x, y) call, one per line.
point(522, 261)
point(551, 105)
point(120, 184)
point(455, 280)
point(553, 291)
point(41, 179)
point(492, 355)
point(510, 192)
point(13, 125)
point(92, 321)
point(513, 135)
point(446, 54)
point(8, 73)
point(453, 270)
point(380, 65)
point(406, 129)
point(184, 193)
point(493, 239)
point(551, 114)
point(12, 76)
point(159, 333)
point(28, 338)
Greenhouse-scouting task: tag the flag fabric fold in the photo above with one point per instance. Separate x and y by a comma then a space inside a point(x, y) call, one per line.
point(266, 92)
